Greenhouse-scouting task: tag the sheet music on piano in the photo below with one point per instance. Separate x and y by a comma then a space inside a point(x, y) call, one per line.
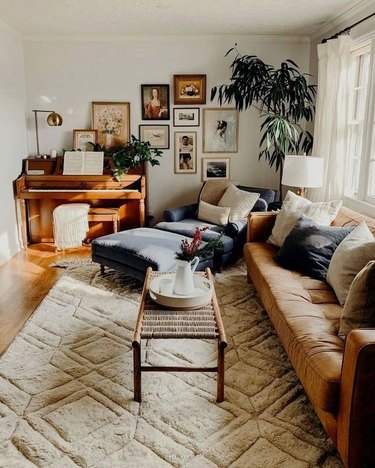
point(83, 163)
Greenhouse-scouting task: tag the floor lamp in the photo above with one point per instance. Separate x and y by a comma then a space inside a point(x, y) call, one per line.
point(303, 172)
point(53, 120)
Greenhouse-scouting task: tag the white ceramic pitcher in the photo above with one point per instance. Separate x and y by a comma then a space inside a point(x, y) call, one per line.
point(184, 283)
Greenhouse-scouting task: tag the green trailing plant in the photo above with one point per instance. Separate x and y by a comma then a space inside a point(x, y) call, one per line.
point(133, 155)
point(284, 99)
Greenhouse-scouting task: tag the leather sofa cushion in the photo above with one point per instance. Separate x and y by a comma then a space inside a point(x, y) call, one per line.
point(306, 316)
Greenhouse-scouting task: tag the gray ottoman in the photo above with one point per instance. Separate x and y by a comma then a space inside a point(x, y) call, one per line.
point(133, 251)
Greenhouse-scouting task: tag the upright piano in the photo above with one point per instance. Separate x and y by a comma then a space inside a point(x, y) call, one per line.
point(42, 187)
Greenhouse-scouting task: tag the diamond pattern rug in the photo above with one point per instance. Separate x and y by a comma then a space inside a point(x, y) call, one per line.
point(66, 389)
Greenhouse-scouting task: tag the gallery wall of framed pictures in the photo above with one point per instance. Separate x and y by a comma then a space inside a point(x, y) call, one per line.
point(199, 133)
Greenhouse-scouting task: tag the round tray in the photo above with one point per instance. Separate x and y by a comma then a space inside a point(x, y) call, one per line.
point(202, 293)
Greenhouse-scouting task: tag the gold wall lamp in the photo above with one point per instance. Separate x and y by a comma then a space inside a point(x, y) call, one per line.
point(53, 120)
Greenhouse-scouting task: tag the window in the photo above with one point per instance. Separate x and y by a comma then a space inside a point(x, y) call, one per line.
point(360, 173)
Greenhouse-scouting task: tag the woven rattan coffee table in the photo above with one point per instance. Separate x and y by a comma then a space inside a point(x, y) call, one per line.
point(157, 322)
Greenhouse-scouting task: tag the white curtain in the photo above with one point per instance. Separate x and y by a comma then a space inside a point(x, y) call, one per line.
point(331, 130)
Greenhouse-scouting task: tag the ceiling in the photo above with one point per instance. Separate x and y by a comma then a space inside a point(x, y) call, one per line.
point(77, 18)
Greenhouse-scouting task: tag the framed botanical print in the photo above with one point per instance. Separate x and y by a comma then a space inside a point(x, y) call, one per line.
point(155, 102)
point(189, 89)
point(112, 121)
point(186, 116)
point(215, 168)
point(185, 152)
point(157, 135)
point(220, 130)
point(82, 139)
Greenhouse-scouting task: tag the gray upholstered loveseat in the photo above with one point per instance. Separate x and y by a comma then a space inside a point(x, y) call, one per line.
point(134, 250)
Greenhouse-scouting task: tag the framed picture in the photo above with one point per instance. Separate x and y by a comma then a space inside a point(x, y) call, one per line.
point(185, 152)
point(157, 135)
point(186, 116)
point(215, 168)
point(220, 130)
point(112, 121)
point(83, 138)
point(189, 89)
point(155, 102)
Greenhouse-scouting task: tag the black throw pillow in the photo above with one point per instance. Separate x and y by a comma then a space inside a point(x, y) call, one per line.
point(309, 247)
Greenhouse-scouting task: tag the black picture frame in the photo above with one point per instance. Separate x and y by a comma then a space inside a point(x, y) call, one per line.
point(150, 112)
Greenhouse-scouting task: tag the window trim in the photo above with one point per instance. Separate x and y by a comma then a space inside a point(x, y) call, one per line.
point(362, 200)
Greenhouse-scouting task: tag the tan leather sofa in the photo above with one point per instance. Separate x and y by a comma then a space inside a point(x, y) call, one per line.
point(338, 376)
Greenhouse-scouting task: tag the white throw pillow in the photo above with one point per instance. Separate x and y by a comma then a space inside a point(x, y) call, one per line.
point(350, 257)
point(213, 214)
point(293, 208)
point(239, 201)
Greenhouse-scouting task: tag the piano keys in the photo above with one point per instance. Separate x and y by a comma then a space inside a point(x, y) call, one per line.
point(38, 195)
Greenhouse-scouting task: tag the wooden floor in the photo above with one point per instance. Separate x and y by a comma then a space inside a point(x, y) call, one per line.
point(24, 282)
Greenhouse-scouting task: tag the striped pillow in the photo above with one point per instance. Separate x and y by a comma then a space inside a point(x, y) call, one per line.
point(213, 214)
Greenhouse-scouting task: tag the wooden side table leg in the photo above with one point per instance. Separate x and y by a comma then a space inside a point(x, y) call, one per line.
point(115, 224)
point(141, 212)
point(137, 372)
point(23, 223)
point(220, 374)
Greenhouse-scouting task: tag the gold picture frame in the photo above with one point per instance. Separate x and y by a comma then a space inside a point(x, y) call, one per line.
point(185, 152)
point(189, 89)
point(112, 121)
point(220, 130)
point(82, 139)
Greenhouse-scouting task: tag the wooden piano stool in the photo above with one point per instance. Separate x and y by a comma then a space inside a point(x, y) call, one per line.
point(104, 215)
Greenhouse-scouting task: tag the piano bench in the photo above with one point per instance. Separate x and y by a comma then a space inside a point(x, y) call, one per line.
point(106, 214)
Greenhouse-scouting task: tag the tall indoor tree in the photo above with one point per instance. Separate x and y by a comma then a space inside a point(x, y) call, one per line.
point(284, 99)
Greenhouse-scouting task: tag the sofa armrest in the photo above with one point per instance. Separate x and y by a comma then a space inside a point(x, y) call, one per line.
point(260, 205)
point(182, 212)
point(234, 228)
point(259, 226)
point(356, 417)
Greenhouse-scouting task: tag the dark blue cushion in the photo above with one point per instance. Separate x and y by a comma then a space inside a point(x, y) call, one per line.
point(268, 195)
point(309, 247)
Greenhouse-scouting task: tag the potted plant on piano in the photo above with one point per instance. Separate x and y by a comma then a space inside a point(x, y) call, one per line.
point(135, 154)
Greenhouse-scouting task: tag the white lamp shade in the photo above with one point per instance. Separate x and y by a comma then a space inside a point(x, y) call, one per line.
point(303, 171)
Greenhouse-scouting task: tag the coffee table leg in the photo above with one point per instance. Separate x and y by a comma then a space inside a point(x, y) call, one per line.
point(220, 374)
point(137, 372)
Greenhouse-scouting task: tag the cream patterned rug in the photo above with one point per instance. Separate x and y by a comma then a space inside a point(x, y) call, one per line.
point(66, 389)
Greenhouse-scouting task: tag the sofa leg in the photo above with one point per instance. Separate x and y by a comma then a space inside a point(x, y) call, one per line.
point(102, 267)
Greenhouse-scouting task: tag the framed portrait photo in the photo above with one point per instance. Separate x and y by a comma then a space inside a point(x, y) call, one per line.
point(157, 135)
point(155, 102)
point(215, 168)
point(189, 89)
point(186, 116)
point(112, 121)
point(82, 139)
point(220, 130)
point(185, 152)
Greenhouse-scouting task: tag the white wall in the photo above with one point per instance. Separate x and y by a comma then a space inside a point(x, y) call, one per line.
point(67, 76)
point(340, 24)
point(12, 134)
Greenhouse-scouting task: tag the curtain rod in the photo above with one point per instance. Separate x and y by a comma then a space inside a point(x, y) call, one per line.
point(348, 29)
